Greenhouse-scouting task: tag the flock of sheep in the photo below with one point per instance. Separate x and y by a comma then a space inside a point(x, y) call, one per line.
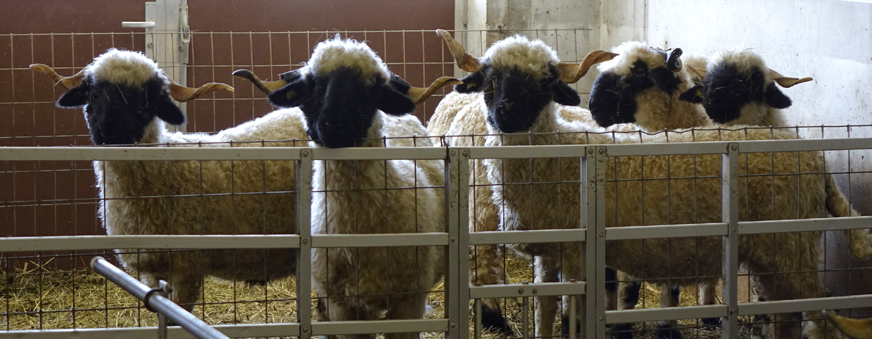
point(516, 94)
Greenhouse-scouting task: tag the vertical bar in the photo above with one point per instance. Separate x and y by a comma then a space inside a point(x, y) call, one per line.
point(478, 328)
point(526, 322)
point(730, 211)
point(593, 257)
point(454, 286)
point(599, 158)
point(304, 258)
point(572, 314)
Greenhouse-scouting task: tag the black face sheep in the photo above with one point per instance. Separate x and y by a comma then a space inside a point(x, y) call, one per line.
point(346, 93)
point(457, 120)
point(126, 100)
point(796, 190)
point(738, 89)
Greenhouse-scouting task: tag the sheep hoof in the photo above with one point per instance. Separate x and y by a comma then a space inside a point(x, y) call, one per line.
point(664, 331)
point(494, 321)
point(621, 331)
point(711, 322)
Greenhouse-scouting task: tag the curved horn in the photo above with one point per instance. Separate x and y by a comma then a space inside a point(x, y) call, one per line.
point(786, 82)
point(465, 61)
point(854, 328)
point(182, 93)
point(673, 60)
point(571, 73)
point(419, 94)
point(68, 82)
point(267, 87)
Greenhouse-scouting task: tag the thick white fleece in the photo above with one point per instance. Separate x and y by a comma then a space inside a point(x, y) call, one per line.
point(517, 51)
point(124, 68)
point(334, 53)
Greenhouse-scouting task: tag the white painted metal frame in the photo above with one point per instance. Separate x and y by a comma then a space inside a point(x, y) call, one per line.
point(457, 238)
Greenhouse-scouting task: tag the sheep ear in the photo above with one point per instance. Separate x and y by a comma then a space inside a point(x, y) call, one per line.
point(565, 95)
point(167, 111)
point(775, 98)
point(393, 102)
point(75, 97)
point(694, 94)
point(291, 95)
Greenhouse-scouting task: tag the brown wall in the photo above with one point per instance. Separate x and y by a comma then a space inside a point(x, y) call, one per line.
point(58, 198)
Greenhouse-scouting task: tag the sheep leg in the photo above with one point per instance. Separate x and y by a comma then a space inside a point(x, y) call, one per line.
point(707, 294)
point(623, 294)
point(406, 306)
point(668, 298)
point(546, 270)
point(488, 271)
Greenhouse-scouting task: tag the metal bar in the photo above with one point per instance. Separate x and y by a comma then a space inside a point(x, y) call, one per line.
point(234, 331)
point(794, 145)
point(663, 314)
point(573, 321)
point(520, 152)
point(678, 148)
point(478, 328)
point(666, 231)
point(526, 237)
point(379, 240)
point(587, 313)
point(452, 220)
point(148, 153)
point(599, 280)
point(461, 229)
point(805, 305)
point(379, 326)
point(526, 315)
point(730, 215)
point(160, 303)
point(379, 153)
point(304, 258)
point(529, 290)
point(804, 225)
point(99, 242)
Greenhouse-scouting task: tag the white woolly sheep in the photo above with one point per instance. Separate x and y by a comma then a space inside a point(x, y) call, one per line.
point(126, 101)
point(463, 126)
point(518, 120)
point(346, 93)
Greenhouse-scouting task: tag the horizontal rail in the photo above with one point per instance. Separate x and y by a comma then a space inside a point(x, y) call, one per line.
point(669, 313)
point(148, 153)
point(526, 237)
point(235, 331)
point(526, 290)
point(666, 231)
point(805, 305)
point(520, 152)
point(379, 153)
point(379, 326)
point(158, 302)
point(804, 225)
point(100, 242)
point(678, 148)
point(794, 145)
point(379, 240)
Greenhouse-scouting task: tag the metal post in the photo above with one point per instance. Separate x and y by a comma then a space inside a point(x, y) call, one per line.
point(526, 322)
point(158, 302)
point(457, 276)
point(572, 321)
point(593, 257)
point(304, 258)
point(478, 329)
point(730, 212)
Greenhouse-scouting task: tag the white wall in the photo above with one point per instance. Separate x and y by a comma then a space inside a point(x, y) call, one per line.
point(830, 41)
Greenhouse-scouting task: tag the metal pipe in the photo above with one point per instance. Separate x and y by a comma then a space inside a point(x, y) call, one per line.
point(526, 318)
point(572, 320)
point(478, 329)
point(158, 302)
